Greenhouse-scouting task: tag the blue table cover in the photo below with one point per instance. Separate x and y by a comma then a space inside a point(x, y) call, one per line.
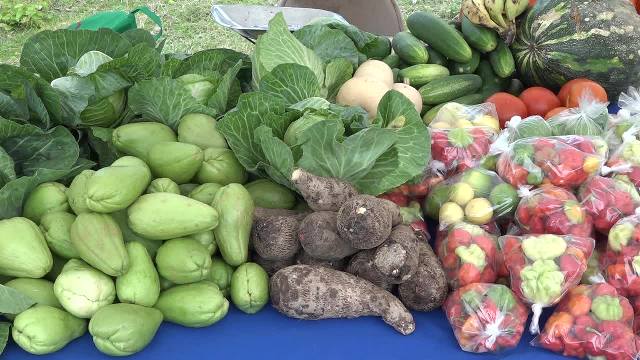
point(270, 335)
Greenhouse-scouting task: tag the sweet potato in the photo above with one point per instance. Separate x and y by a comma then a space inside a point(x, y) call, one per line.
point(275, 237)
point(272, 266)
point(361, 265)
point(319, 237)
point(314, 292)
point(397, 258)
point(322, 193)
point(427, 289)
point(365, 221)
point(305, 259)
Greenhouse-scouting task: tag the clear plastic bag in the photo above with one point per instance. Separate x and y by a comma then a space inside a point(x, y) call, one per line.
point(544, 267)
point(477, 196)
point(624, 163)
point(588, 119)
point(469, 254)
point(486, 317)
point(461, 136)
point(591, 321)
point(552, 210)
point(565, 161)
point(620, 263)
point(608, 200)
point(412, 216)
point(518, 128)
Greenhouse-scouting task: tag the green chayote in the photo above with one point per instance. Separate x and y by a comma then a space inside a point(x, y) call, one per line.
point(140, 284)
point(56, 228)
point(544, 247)
point(235, 206)
point(220, 274)
point(200, 129)
point(77, 192)
point(221, 166)
point(542, 282)
point(56, 269)
point(39, 290)
point(186, 189)
point(249, 288)
point(194, 305)
point(619, 235)
point(163, 185)
point(207, 239)
point(82, 290)
point(205, 193)
point(44, 329)
point(137, 138)
point(607, 308)
point(129, 235)
point(45, 198)
point(124, 329)
point(175, 160)
point(183, 261)
point(23, 249)
point(117, 186)
point(268, 194)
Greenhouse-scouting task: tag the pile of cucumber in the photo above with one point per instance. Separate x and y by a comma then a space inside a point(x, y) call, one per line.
point(465, 65)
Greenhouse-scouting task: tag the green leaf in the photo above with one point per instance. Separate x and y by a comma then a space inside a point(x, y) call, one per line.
point(12, 109)
point(141, 62)
point(164, 100)
point(205, 61)
point(313, 103)
point(4, 335)
point(170, 67)
point(13, 302)
point(7, 168)
point(325, 154)
point(89, 63)
point(52, 53)
point(278, 46)
point(290, 82)
point(279, 158)
point(327, 43)
point(338, 71)
point(140, 36)
point(100, 141)
point(221, 99)
point(360, 38)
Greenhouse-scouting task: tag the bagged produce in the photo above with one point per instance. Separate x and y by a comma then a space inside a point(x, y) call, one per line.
point(591, 321)
point(486, 317)
point(627, 117)
point(552, 210)
point(518, 128)
point(456, 150)
point(453, 115)
point(621, 260)
point(477, 196)
point(590, 118)
point(468, 255)
point(624, 163)
point(544, 267)
point(565, 161)
point(607, 200)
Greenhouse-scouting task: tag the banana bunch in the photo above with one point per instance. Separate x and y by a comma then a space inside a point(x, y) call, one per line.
point(499, 15)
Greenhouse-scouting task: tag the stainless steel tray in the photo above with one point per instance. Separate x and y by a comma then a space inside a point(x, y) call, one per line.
point(252, 20)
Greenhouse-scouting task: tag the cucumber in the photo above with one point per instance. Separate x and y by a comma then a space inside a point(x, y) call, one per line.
point(491, 83)
point(515, 87)
point(378, 48)
point(438, 34)
point(436, 58)
point(448, 88)
point(502, 60)
point(471, 99)
point(393, 60)
point(396, 72)
point(409, 48)
point(465, 68)
point(480, 38)
point(421, 74)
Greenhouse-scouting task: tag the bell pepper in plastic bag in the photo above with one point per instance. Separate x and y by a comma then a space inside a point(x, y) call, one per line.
point(476, 196)
point(624, 163)
point(565, 161)
point(485, 317)
point(608, 200)
point(412, 216)
point(591, 321)
point(456, 150)
point(590, 118)
point(468, 254)
point(621, 261)
point(552, 210)
point(628, 116)
point(544, 267)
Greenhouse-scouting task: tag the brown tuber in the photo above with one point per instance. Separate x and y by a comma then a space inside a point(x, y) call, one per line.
point(314, 292)
point(272, 266)
point(365, 221)
point(275, 237)
point(264, 212)
point(361, 265)
point(322, 193)
point(427, 289)
point(397, 258)
point(305, 259)
point(318, 235)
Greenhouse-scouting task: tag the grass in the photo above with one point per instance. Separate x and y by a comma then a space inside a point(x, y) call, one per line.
point(186, 23)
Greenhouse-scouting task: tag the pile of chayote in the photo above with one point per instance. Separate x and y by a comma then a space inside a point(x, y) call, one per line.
point(127, 246)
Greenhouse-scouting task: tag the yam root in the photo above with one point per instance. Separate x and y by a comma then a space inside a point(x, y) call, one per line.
point(305, 259)
point(427, 289)
point(322, 193)
point(361, 265)
point(397, 258)
point(264, 212)
point(318, 235)
point(396, 215)
point(365, 221)
point(272, 266)
point(275, 237)
point(314, 292)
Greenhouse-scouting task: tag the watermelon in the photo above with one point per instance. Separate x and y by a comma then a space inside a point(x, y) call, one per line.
point(560, 40)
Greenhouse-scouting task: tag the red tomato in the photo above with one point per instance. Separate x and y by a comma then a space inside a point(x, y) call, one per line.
point(507, 106)
point(564, 91)
point(582, 89)
point(539, 100)
point(554, 112)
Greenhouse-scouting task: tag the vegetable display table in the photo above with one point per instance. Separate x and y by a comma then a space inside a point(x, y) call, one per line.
point(269, 335)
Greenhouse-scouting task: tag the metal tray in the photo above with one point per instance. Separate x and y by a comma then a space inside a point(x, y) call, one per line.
point(252, 20)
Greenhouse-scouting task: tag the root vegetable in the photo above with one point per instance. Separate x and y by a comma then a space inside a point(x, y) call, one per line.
point(272, 266)
point(318, 235)
point(362, 266)
point(365, 221)
point(397, 258)
point(264, 212)
point(321, 193)
point(314, 292)
point(275, 237)
point(305, 259)
point(427, 289)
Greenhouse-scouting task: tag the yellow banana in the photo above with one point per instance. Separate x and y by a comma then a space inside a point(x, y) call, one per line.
point(477, 14)
point(513, 8)
point(495, 8)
